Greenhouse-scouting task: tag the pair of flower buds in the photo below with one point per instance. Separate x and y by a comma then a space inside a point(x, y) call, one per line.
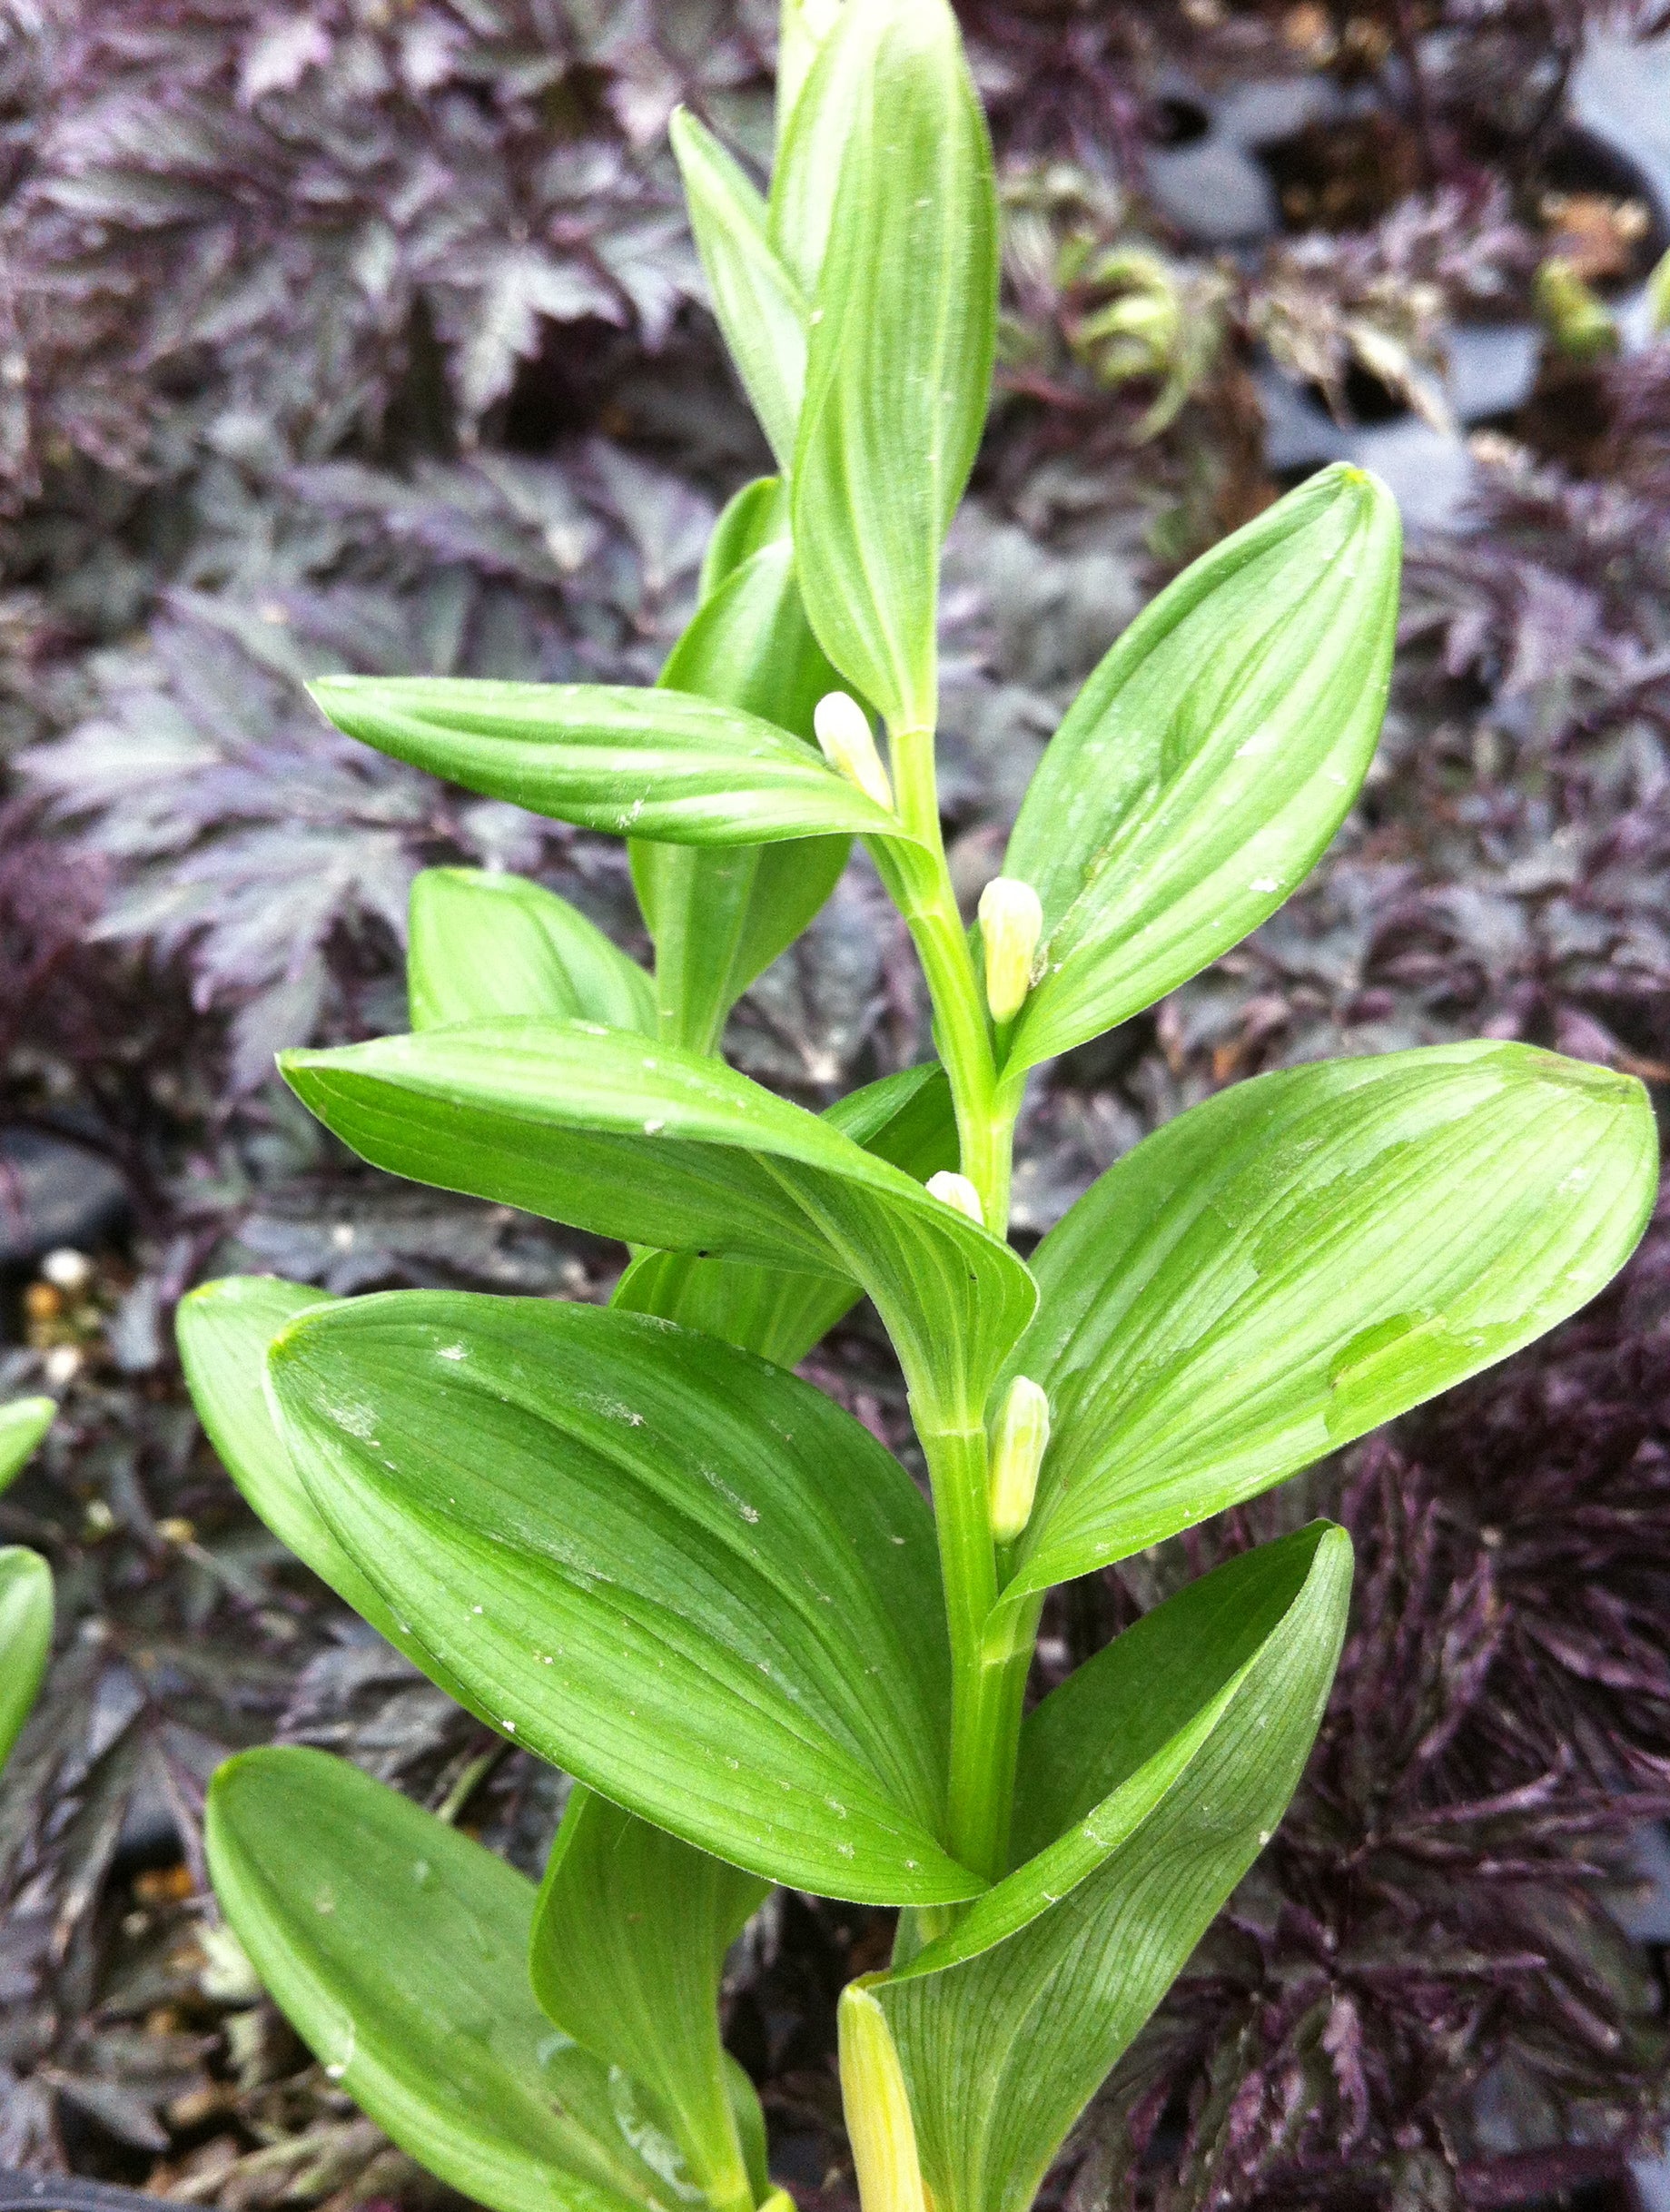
point(1011, 918)
point(1011, 921)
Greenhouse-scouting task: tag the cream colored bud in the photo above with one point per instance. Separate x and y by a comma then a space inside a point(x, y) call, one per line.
point(954, 1189)
point(848, 744)
point(1018, 1446)
point(1010, 923)
point(880, 2126)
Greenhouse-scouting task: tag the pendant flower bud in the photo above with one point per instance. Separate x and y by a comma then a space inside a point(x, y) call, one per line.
point(848, 744)
point(954, 1189)
point(1011, 922)
point(1018, 1446)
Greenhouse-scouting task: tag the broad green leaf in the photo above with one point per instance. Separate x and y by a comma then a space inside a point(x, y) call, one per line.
point(687, 1578)
point(396, 1949)
point(224, 1330)
point(609, 757)
point(628, 1947)
point(1288, 1265)
point(721, 914)
point(23, 1425)
point(906, 1119)
point(749, 520)
point(1002, 2052)
point(1105, 1750)
point(664, 1148)
point(482, 943)
point(803, 25)
point(899, 363)
point(1208, 760)
point(25, 1636)
point(812, 132)
point(760, 307)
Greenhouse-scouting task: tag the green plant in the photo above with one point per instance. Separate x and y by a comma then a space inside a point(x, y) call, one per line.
point(628, 1538)
point(25, 1579)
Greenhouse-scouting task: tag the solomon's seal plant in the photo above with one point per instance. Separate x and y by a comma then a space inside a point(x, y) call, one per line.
point(630, 1539)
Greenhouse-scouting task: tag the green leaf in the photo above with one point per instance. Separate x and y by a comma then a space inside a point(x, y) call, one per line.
point(25, 1636)
point(1002, 2052)
point(664, 1148)
point(906, 1119)
point(903, 331)
point(813, 131)
point(803, 25)
point(23, 1425)
point(720, 915)
point(1106, 1749)
point(687, 1578)
point(609, 757)
point(760, 307)
point(224, 1330)
point(628, 1947)
point(1288, 1265)
point(396, 1949)
point(485, 943)
point(1204, 767)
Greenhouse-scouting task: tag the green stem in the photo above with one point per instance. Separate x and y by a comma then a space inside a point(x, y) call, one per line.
point(988, 1670)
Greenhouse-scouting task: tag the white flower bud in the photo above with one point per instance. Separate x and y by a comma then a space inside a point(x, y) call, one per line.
point(1011, 922)
point(1018, 1446)
point(848, 744)
point(880, 2125)
point(954, 1189)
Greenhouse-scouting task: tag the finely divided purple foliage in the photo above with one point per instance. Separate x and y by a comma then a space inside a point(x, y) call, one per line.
point(368, 336)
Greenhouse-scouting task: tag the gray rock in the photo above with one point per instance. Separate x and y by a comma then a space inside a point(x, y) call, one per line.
point(52, 1191)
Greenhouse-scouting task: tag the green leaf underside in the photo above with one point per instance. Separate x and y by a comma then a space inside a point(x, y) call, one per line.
point(25, 1636)
point(224, 1330)
point(1206, 763)
point(687, 1577)
point(482, 943)
point(1001, 2053)
point(23, 1425)
point(900, 362)
point(628, 1947)
point(721, 914)
point(1301, 1257)
point(905, 1119)
point(806, 174)
point(397, 1948)
point(760, 306)
point(638, 762)
point(664, 1148)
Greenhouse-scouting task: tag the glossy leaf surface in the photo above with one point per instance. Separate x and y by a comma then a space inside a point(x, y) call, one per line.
point(1001, 2053)
point(25, 1636)
point(23, 1425)
point(905, 1119)
point(396, 1949)
point(224, 1330)
point(1212, 756)
point(628, 1947)
point(1301, 1257)
point(663, 1148)
point(482, 943)
point(900, 362)
point(687, 1578)
point(640, 763)
point(720, 914)
point(760, 307)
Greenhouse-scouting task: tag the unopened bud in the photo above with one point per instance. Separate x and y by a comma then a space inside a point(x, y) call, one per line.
point(880, 2126)
point(848, 744)
point(1011, 922)
point(1018, 1447)
point(954, 1189)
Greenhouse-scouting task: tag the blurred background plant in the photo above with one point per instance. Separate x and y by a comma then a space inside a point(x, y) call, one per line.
point(367, 335)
